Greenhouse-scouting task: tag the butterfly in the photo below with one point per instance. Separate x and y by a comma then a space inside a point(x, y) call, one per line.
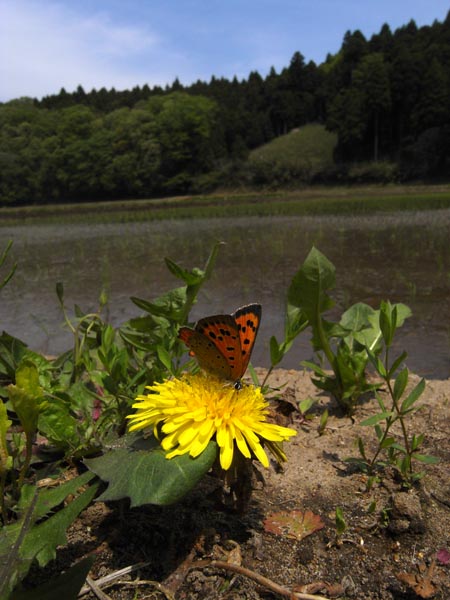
point(222, 344)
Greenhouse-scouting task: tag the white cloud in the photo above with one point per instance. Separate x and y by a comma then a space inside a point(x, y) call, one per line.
point(46, 46)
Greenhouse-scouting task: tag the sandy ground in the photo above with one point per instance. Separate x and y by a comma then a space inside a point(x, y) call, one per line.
point(395, 545)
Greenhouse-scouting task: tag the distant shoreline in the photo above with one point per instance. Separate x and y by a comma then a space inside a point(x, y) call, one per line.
point(312, 200)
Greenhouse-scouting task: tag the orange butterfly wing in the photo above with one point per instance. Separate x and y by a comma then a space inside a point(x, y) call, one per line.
point(223, 344)
point(214, 342)
point(247, 319)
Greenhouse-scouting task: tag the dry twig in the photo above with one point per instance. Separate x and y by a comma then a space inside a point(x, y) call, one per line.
point(260, 579)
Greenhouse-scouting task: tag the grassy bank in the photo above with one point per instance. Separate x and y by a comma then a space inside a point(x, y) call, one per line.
point(311, 201)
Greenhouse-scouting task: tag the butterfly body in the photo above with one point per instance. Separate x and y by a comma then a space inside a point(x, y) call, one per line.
point(222, 344)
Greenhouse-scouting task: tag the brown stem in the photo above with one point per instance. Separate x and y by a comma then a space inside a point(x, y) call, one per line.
point(260, 579)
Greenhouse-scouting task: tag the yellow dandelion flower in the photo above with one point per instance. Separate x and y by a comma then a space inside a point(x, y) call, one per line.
point(191, 411)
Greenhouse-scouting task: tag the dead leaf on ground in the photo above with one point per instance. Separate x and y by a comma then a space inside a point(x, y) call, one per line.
point(421, 584)
point(294, 524)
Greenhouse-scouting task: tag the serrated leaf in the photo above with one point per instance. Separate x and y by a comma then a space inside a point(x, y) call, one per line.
point(294, 524)
point(50, 498)
point(24, 541)
point(148, 477)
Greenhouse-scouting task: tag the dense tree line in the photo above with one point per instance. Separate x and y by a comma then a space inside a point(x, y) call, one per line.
point(387, 98)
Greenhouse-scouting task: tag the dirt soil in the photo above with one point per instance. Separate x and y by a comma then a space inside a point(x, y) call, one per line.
point(395, 546)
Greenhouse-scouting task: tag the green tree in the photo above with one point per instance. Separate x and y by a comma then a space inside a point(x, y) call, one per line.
point(371, 82)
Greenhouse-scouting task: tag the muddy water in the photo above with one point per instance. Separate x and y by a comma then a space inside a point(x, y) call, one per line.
point(401, 257)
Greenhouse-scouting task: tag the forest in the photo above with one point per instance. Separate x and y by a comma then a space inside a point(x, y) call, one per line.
point(386, 99)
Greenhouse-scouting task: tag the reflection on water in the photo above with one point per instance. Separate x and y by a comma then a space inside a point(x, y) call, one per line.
point(401, 257)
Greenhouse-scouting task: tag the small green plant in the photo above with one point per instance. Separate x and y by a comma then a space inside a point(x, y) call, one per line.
point(77, 404)
point(343, 344)
point(400, 449)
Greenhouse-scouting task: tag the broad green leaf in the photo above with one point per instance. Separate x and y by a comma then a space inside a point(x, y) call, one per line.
point(413, 396)
point(59, 425)
point(67, 585)
point(356, 317)
point(26, 395)
point(308, 289)
point(148, 477)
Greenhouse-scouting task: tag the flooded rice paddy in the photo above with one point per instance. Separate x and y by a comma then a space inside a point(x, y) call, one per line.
point(403, 257)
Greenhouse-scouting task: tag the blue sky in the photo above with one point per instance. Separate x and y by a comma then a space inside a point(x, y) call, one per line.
point(49, 44)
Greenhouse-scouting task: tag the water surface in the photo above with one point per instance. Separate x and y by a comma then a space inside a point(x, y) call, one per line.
point(398, 256)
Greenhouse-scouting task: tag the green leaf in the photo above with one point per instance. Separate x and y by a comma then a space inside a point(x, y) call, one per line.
point(193, 277)
point(306, 404)
point(25, 541)
point(5, 424)
point(397, 362)
point(400, 384)
point(426, 459)
point(67, 585)
point(413, 396)
point(356, 317)
point(50, 498)
point(310, 284)
point(275, 352)
point(361, 448)
point(164, 357)
point(379, 367)
point(148, 477)
point(59, 425)
point(374, 419)
point(341, 525)
point(25, 396)
point(388, 442)
point(317, 370)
